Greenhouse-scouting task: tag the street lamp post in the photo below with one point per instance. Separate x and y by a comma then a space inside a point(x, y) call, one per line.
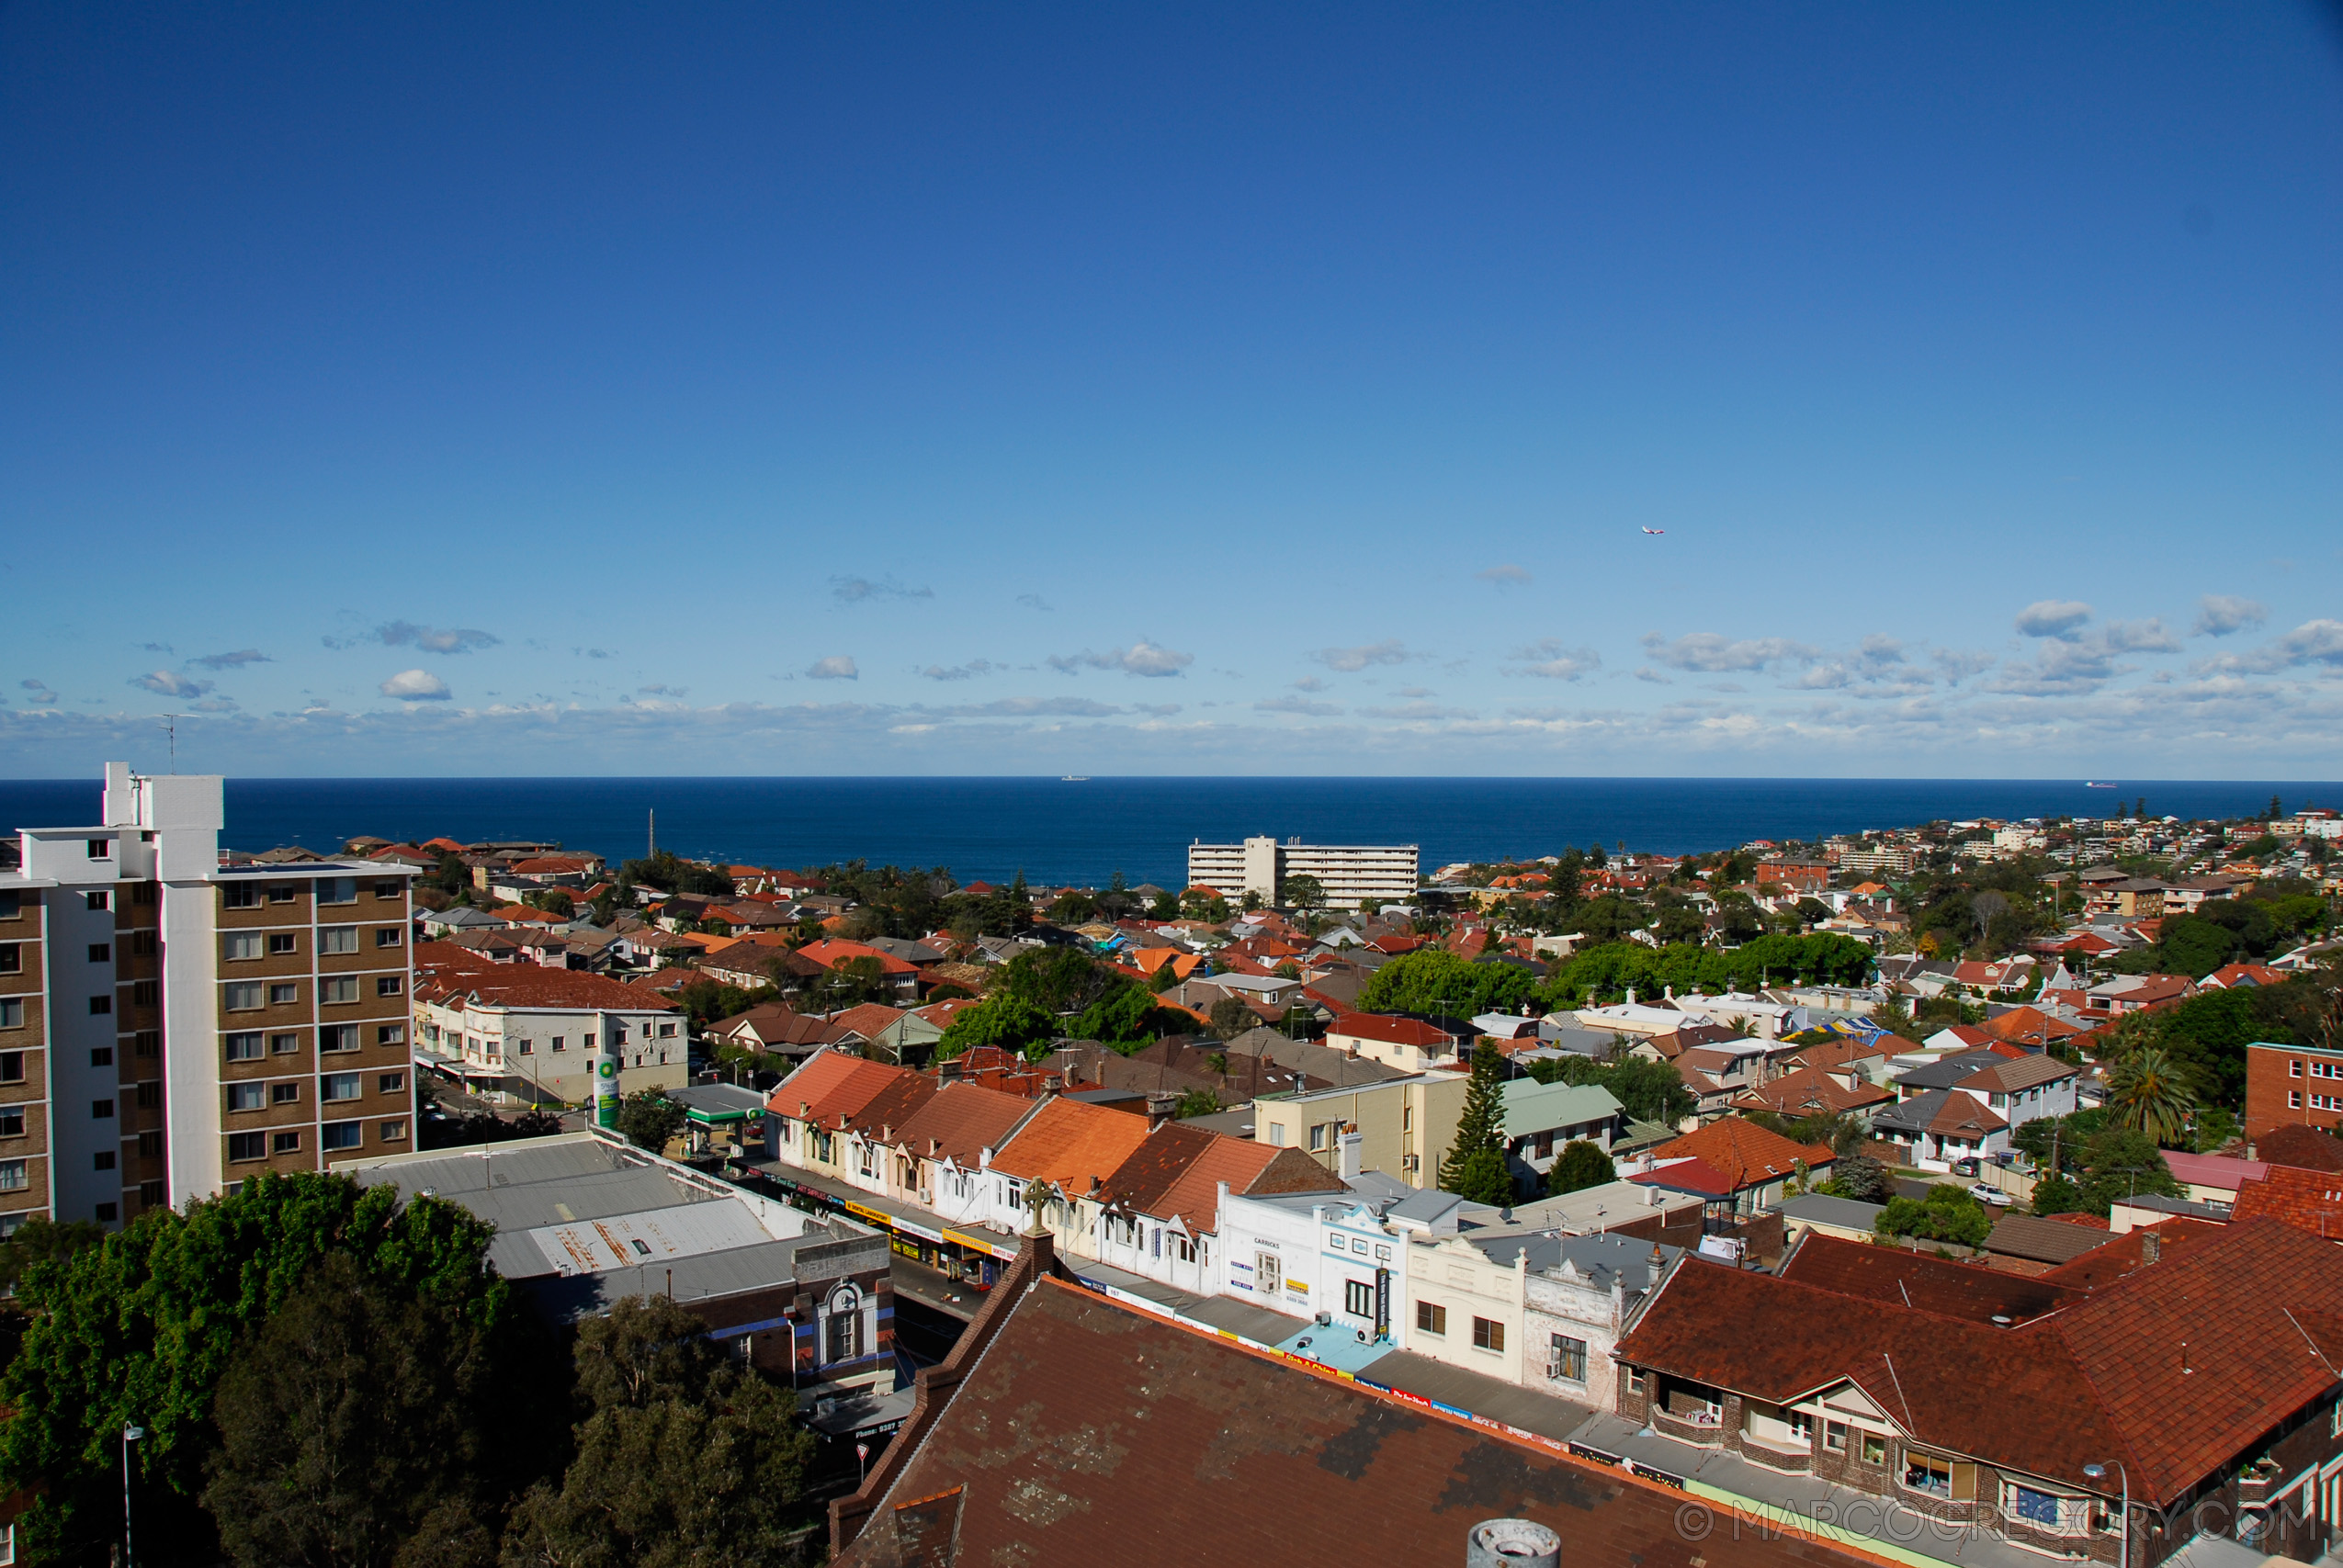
point(2123, 1520)
point(129, 1435)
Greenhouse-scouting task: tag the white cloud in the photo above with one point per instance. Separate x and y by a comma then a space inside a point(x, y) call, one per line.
point(1712, 655)
point(1142, 658)
point(837, 667)
point(972, 669)
point(162, 683)
point(2314, 642)
point(2141, 637)
point(237, 660)
point(40, 695)
point(1309, 683)
point(2061, 618)
point(431, 640)
point(1391, 650)
point(1297, 704)
point(1550, 660)
point(1503, 576)
point(416, 686)
point(2218, 615)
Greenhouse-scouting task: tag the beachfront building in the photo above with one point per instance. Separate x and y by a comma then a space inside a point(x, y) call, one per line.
point(1347, 875)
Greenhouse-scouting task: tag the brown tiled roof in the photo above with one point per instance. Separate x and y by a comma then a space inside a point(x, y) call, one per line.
point(1092, 1433)
point(1801, 1093)
point(1390, 1031)
point(778, 1025)
point(2310, 1199)
point(960, 1122)
point(2018, 1073)
point(2104, 1264)
point(868, 1020)
point(2175, 1369)
point(2304, 1147)
point(1920, 1279)
point(893, 1105)
point(1070, 1145)
point(832, 1089)
point(1744, 1152)
point(1177, 1171)
point(528, 986)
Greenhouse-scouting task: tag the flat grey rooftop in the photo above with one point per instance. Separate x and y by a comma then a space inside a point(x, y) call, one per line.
point(520, 1187)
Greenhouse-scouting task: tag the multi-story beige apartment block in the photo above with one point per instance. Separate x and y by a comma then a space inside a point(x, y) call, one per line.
point(1347, 875)
point(169, 1025)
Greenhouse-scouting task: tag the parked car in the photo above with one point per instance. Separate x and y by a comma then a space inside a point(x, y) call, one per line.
point(1987, 1193)
point(1966, 1165)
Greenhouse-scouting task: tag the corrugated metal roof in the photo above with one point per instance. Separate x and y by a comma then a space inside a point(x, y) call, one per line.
point(519, 1187)
point(656, 1236)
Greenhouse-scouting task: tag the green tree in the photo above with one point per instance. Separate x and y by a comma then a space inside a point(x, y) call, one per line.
point(1196, 1102)
point(1861, 1178)
point(2119, 1162)
point(2145, 1093)
point(1126, 1018)
point(140, 1329)
point(355, 1421)
point(2058, 1194)
point(851, 982)
point(649, 1120)
point(1007, 1021)
point(669, 872)
point(683, 1459)
point(553, 901)
point(1302, 892)
point(1476, 1168)
point(1580, 1164)
point(1434, 980)
point(1231, 1017)
point(1947, 1214)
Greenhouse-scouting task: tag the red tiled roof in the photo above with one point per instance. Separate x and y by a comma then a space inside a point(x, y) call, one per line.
point(832, 1087)
point(869, 1019)
point(1390, 1031)
point(2176, 1368)
point(2294, 1144)
point(1177, 1171)
point(830, 952)
point(1744, 1152)
point(1928, 1283)
point(1070, 1145)
point(2308, 1200)
point(528, 986)
point(1807, 1090)
point(960, 1121)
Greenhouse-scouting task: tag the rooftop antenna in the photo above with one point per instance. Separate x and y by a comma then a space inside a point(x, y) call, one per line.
point(170, 733)
point(654, 852)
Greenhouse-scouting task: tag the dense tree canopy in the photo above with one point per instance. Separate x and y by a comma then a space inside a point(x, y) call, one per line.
point(1475, 1168)
point(669, 872)
point(1604, 974)
point(1432, 980)
point(1646, 1091)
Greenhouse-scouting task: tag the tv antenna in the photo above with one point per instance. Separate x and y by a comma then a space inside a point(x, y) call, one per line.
point(170, 734)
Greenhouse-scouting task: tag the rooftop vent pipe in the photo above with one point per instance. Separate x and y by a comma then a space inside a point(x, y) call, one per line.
point(1512, 1543)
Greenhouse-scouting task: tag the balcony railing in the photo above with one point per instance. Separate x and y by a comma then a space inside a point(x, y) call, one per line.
point(1696, 1426)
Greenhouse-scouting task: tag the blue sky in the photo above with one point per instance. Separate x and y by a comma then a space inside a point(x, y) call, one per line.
point(1279, 389)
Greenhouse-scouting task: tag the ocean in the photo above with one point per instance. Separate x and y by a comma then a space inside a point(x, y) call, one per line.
point(1058, 831)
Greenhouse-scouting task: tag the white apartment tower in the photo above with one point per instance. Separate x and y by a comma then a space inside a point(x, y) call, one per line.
point(1347, 874)
point(170, 1025)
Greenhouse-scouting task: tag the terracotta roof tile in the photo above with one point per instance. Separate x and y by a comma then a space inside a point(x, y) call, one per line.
point(960, 1121)
point(1070, 1145)
point(1745, 1153)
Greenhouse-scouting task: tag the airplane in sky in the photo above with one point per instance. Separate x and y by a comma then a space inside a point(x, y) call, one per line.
point(1655, 530)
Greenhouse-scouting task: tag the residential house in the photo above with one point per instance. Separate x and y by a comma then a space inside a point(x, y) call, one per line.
point(1336, 1253)
point(534, 1034)
point(776, 1030)
point(1541, 1120)
point(1057, 1157)
point(1404, 1126)
point(1410, 1044)
point(2207, 1372)
point(1158, 1214)
point(1742, 1170)
point(1811, 1091)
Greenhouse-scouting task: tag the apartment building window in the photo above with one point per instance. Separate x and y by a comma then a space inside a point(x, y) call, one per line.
point(667, 1032)
point(283, 944)
point(1834, 1437)
point(389, 985)
point(246, 1096)
point(1358, 1298)
point(344, 1135)
point(287, 1093)
point(151, 1194)
point(12, 1013)
point(2293, 1099)
point(340, 1086)
point(101, 1111)
point(391, 1083)
point(102, 1161)
point(1567, 1358)
point(97, 900)
point(337, 939)
point(245, 996)
point(387, 936)
point(340, 990)
point(12, 1066)
point(1183, 1247)
point(389, 889)
point(285, 1143)
point(395, 1132)
point(151, 1144)
point(1431, 1319)
point(101, 1007)
point(147, 1042)
point(107, 1213)
point(285, 994)
point(101, 1056)
point(247, 1146)
point(338, 889)
point(101, 952)
point(283, 893)
point(396, 1034)
point(239, 896)
point(12, 1176)
point(101, 848)
point(1276, 1136)
point(12, 1120)
point(150, 1095)
point(12, 958)
point(1317, 1136)
point(1488, 1333)
point(244, 945)
point(285, 1045)
point(146, 993)
point(143, 944)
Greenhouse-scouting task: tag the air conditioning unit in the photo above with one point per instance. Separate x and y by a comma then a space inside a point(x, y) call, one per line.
point(1325, 1320)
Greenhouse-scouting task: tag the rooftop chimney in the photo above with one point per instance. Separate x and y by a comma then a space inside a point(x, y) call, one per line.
point(1512, 1543)
point(2151, 1246)
point(1346, 1155)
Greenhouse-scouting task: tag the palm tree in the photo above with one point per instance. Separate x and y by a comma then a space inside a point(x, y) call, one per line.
point(2147, 1093)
